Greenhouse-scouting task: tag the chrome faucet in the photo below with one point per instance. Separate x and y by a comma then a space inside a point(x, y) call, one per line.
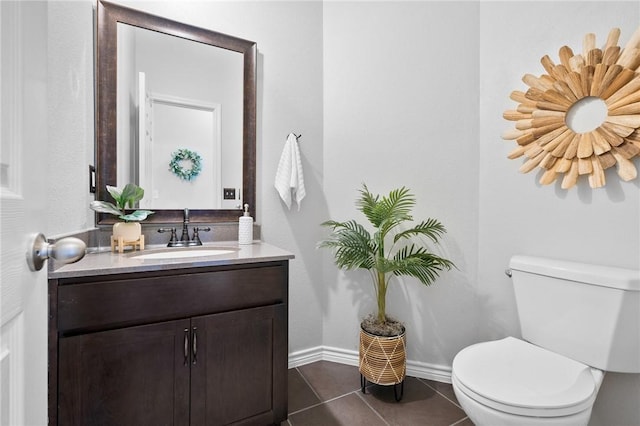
point(185, 240)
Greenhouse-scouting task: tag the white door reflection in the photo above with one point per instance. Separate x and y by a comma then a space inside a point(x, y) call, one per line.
point(169, 124)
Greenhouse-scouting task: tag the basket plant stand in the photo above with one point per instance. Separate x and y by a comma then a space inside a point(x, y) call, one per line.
point(383, 361)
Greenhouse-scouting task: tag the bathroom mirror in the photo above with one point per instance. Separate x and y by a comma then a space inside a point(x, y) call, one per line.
point(225, 153)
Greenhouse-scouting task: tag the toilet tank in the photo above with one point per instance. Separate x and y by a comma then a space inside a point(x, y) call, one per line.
point(586, 312)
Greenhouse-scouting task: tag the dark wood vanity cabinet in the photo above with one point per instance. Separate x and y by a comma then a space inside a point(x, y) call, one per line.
point(202, 346)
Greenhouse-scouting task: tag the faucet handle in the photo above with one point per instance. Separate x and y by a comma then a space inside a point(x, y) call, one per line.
point(174, 239)
point(196, 237)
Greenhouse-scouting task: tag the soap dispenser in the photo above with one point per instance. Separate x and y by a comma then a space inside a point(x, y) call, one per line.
point(245, 227)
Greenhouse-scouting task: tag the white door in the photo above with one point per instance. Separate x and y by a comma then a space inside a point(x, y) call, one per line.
point(194, 125)
point(23, 143)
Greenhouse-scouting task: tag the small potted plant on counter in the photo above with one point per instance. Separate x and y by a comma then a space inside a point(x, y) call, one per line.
point(391, 250)
point(129, 231)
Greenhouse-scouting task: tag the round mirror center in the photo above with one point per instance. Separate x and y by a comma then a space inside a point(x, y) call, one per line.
point(587, 114)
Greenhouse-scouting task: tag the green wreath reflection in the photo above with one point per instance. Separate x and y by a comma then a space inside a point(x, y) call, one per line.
point(184, 154)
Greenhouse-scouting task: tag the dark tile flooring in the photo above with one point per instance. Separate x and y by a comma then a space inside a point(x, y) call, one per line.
point(325, 394)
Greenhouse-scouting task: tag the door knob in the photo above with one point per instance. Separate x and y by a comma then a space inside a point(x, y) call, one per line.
point(65, 250)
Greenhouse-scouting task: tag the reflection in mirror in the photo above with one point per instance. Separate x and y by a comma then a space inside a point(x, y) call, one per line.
point(203, 80)
point(174, 94)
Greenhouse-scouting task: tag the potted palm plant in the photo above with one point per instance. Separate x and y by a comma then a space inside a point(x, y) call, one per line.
point(391, 250)
point(129, 230)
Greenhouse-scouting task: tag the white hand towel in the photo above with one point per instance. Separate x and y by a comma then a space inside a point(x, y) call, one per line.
point(289, 176)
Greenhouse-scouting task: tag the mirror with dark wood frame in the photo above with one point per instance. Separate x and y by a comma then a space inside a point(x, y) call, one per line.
point(109, 15)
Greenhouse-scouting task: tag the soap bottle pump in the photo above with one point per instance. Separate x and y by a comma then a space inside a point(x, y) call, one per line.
point(245, 227)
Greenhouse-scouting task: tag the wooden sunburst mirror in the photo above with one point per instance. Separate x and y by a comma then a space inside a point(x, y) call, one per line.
point(545, 136)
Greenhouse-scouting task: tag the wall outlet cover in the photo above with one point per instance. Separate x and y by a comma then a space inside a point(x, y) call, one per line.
point(229, 193)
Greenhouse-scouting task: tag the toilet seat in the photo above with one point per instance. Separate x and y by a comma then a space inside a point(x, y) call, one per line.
point(517, 377)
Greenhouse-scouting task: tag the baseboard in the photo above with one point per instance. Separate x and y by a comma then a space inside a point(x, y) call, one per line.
point(423, 370)
point(305, 356)
point(435, 372)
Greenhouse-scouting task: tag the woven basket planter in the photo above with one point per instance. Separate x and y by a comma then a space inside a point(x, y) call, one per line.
point(383, 359)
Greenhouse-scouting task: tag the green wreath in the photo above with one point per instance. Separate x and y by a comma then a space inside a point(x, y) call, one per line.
point(184, 154)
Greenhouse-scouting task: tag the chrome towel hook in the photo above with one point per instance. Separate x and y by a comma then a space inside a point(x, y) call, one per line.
point(508, 272)
point(65, 250)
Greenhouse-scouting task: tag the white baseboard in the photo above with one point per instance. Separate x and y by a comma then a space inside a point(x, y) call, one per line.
point(423, 370)
point(305, 356)
point(435, 372)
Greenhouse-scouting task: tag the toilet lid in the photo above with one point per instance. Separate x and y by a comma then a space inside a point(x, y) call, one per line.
point(517, 377)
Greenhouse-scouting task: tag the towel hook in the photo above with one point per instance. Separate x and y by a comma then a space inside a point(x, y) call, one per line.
point(298, 136)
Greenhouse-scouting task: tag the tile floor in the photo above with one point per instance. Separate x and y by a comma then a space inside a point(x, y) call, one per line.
point(325, 394)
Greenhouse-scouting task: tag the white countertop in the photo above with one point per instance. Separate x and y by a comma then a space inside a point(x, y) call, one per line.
point(106, 263)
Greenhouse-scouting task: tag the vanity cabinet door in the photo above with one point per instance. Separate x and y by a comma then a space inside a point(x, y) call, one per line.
point(239, 370)
point(131, 376)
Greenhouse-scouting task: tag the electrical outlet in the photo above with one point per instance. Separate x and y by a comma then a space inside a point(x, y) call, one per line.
point(229, 193)
point(92, 179)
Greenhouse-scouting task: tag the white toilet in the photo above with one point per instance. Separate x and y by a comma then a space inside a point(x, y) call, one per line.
point(577, 321)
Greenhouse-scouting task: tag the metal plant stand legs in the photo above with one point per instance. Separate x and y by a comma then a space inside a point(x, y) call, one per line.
point(398, 397)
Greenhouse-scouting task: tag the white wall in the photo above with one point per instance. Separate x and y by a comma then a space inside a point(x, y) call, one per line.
point(71, 117)
point(518, 215)
point(401, 109)
point(391, 94)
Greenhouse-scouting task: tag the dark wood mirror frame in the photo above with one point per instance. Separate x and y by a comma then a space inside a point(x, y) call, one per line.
point(108, 15)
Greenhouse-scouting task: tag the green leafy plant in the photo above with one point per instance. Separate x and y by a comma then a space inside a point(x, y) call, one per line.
point(126, 197)
point(390, 250)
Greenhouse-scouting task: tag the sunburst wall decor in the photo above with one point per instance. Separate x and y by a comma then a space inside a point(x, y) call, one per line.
point(542, 133)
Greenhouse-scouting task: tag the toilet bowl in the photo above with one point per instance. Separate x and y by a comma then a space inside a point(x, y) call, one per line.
point(512, 382)
point(577, 321)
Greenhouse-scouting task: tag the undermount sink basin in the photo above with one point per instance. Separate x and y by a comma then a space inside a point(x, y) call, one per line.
point(182, 253)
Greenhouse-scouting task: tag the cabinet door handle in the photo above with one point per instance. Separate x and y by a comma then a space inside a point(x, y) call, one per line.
point(186, 346)
point(195, 345)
